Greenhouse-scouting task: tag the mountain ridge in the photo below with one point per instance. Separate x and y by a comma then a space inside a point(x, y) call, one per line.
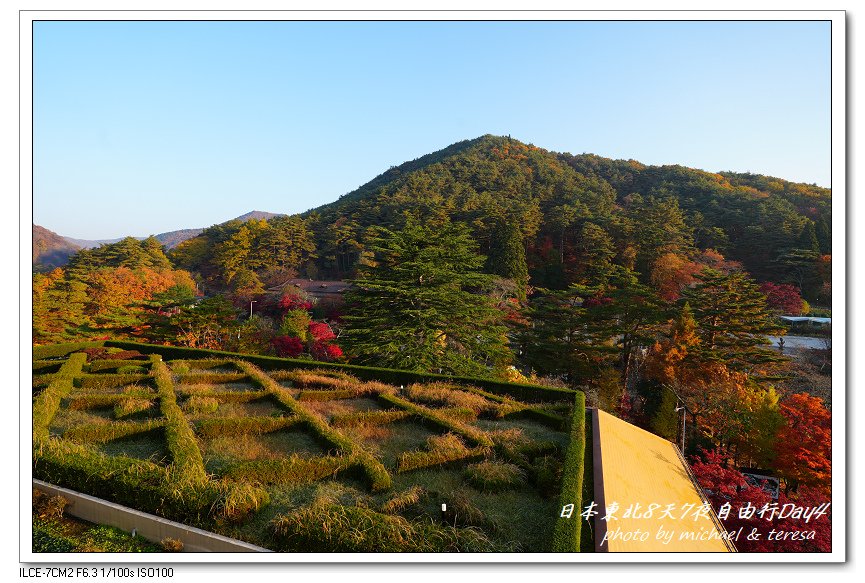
point(52, 250)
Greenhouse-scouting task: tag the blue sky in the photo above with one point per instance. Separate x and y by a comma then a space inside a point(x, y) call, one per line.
point(146, 127)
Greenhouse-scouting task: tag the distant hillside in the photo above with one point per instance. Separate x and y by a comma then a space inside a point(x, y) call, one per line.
point(54, 250)
point(172, 238)
point(50, 250)
point(257, 215)
point(91, 243)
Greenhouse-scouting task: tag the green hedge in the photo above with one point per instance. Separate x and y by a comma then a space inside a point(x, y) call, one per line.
point(207, 378)
point(368, 418)
point(522, 392)
point(227, 426)
point(228, 396)
point(186, 457)
point(330, 527)
point(447, 423)
point(420, 459)
point(294, 470)
point(105, 432)
point(105, 400)
point(46, 366)
point(139, 484)
point(566, 536)
point(98, 381)
point(55, 350)
point(376, 473)
point(307, 395)
point(100, 365)
point(48, 402)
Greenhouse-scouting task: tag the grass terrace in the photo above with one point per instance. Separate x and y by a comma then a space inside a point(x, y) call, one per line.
point(307, 457)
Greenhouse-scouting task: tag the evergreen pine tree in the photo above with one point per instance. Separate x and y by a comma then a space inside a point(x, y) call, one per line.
point(808, 238)
point(824, 235)
point(665, 421)
point(421, 305)
point(507, 256)
point(733, 319)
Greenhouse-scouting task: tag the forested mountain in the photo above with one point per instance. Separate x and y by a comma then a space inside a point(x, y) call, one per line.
point(563, 208)
point(50, 250)
point(772, 226)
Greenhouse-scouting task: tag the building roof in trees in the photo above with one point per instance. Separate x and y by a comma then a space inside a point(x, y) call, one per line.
point(811, 320)
point(320, 288)
point(640, 468)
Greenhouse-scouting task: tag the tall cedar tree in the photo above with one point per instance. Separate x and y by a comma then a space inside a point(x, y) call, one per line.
point(733, 320)
point(421, 304)
point(507, 256)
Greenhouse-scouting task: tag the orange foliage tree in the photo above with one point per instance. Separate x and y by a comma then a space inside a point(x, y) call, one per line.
point(805, 442)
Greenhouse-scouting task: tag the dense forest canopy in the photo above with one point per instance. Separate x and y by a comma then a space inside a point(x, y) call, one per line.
point(565, 208)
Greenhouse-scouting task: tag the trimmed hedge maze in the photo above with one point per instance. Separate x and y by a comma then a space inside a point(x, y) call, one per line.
point(313, 459)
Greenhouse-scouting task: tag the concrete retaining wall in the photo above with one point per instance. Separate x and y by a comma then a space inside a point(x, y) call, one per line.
point(148, 526)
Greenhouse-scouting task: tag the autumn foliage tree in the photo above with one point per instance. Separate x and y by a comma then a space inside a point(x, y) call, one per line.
point(782, 297)
point(670, 273)
point(805, 442)
point(749, 507)
point(110, 290)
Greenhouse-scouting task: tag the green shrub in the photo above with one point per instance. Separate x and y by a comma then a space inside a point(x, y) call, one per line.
point(472, 434)
point(139, 484)
point(107, 381)
point(46, 366)
point(85, 402)
point(239, 500)
point(200, 404)
point(328, 527)
point(206, 378)
point(442, 449)
point(522, 392)
point(47, 403)
point(293, 470)
point(402, 500)
point(187, 464)
point(203, 364)
point(180, 367)
point(57, 350)
point(228, 426)
point(566, 536)
point(47, 541)
point(130, 406)
point(368, 418)
point(131, 369)
point(375, 472)
point(493, 476)
point(307, 395)
point(105, 432)
point(108, 539)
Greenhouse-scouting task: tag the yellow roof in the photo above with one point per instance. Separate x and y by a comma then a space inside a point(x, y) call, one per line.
point(638, 469)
